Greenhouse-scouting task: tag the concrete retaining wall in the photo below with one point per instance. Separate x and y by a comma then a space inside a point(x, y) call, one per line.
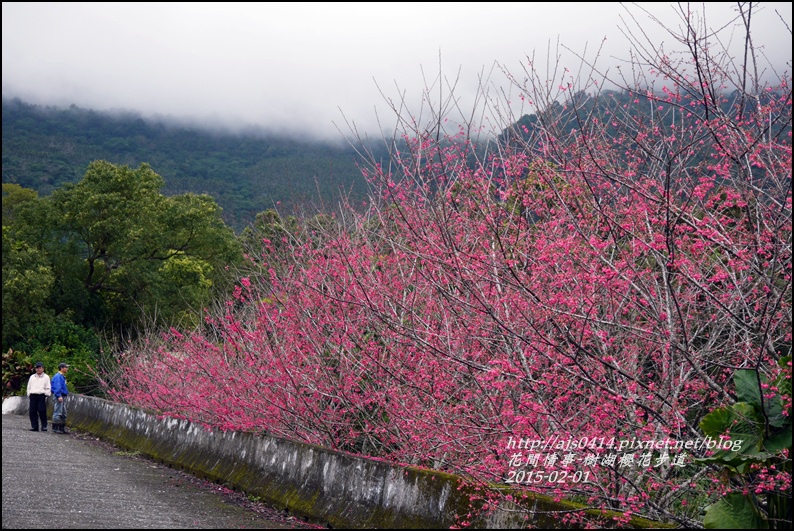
point(316, 483)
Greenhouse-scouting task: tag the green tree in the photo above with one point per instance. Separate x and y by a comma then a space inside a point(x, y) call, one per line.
point(268, 233)
point(107, 255)
point(28, 280)
point(121, 234)
point(31, 329)
point(13, 197)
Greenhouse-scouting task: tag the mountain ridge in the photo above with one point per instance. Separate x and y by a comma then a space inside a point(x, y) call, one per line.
point(247, 172)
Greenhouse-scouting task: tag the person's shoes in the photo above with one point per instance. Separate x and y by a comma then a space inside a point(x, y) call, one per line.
point(33, 429)
point(43, 429)
point(64, 430)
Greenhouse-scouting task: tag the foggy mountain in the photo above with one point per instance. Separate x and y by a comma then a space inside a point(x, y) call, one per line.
point(47, 147)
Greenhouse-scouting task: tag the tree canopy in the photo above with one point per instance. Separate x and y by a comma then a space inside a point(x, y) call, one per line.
point(107, 254)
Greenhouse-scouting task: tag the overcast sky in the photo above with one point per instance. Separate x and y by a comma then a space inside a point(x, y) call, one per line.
point(300, 66)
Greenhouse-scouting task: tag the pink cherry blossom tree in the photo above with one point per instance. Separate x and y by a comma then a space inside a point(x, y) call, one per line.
point(568, 301)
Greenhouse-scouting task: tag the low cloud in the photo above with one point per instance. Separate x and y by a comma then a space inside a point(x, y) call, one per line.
point(305, 68)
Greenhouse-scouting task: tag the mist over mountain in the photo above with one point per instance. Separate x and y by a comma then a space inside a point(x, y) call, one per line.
point(321, 70)
point(246, 171)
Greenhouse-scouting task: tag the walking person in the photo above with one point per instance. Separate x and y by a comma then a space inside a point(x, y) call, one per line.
point(60, 391)
point(38, 391)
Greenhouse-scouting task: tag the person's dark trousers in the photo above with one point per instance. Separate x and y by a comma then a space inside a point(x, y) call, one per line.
point(38, 411)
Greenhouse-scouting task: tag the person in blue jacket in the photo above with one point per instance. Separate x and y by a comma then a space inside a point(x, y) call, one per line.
point(60, 391)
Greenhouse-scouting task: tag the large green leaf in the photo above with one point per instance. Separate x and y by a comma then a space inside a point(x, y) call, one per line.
point(747, 389)
point(774, 410)
point(779, 441)
point(783, 384)
point(734, 511)
point(717, 422)
point(744, 423)
point(742, 419)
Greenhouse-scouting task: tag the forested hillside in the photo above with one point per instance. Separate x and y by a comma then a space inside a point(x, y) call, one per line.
point(46, 147)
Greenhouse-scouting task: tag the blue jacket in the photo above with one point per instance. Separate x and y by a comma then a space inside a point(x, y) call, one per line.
point(58, 385)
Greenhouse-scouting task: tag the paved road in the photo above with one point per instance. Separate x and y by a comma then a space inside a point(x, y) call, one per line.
point(68, 482)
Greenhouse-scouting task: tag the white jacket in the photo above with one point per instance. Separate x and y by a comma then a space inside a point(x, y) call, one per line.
point(39, 384)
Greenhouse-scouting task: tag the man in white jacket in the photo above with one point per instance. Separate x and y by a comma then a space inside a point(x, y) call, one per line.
point(38, 391)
